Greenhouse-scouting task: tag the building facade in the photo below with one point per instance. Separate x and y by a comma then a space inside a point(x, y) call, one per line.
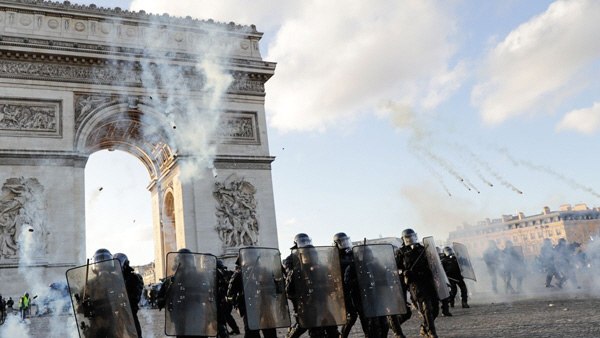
point(575, 224)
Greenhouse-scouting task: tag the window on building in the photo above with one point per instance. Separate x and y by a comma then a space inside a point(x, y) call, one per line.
point(524, 237)
point(532, 235)
point(550, 233)
point(540, 234)
point(515, 239)
point(558, 232)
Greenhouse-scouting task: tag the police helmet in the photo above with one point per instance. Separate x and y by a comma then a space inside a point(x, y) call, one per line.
point(448, 251)
point(562, 241)
point(220, 264)
point(183, 258)
point(302, 240)
point(102, 255)
point(409, 237)
point(122, 259)
point(547, 241)
point(342, 241)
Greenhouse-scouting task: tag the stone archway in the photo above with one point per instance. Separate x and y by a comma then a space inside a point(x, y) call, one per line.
point(78, 79)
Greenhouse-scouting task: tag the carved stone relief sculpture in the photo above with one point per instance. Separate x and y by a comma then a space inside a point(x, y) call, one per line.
point(236, 212)
point(22, 207)
point(18, 115)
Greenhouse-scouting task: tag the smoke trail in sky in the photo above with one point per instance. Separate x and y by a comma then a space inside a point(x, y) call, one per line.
point(431, 170)
point(546, 170)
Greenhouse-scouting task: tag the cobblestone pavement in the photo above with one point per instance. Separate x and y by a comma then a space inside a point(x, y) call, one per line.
point(552, 314)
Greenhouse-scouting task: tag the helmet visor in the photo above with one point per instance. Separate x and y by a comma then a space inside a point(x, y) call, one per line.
point(303, 242)
point(345, 243)
point(410, 239)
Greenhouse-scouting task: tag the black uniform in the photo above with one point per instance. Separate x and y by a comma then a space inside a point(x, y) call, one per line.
point(376, 327)
point(227, 306)
point(346, 260)
point(134, 284)
point(236, 294)
point(452, 270)
point(412, 260)
point(165, 296)
point(296, 331)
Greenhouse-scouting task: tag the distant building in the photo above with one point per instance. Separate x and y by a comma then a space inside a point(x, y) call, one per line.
point(575, 224)
point(147, 272)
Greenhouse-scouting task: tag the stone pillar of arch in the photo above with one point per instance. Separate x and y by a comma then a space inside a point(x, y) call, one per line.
point(72, 82)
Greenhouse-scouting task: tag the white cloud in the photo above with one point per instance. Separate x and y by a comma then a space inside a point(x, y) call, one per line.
point(585, 120)
point(540, 63)
point(338, 59)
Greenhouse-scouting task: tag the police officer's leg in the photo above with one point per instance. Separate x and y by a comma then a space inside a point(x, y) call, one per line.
point(396, 327)
point(430, 309)
point(464, 293)
point(351, 316)
point(269, 333)
point(446, 307)
point(136, 321)
point(249, 333)
point(453, 292)
point(383, 326)
point(332, 332)
point(317, 332)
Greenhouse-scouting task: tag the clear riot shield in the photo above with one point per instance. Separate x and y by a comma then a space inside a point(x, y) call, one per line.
point(439, 275)
point(318, 285)
point(464, 261)
point(377, 273)
point(264, 288)
point(100, 301)
point(191, 295)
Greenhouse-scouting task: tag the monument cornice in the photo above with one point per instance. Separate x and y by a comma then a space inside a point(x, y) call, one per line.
point(66, 8)
point(60, 68)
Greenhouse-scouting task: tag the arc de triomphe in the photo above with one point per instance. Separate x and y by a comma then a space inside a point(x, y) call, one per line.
point(185, 96)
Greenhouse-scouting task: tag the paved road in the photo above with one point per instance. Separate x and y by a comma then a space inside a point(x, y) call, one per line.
point(551, 314)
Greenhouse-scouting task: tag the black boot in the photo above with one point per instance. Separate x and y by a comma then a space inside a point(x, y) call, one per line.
point(465, 305)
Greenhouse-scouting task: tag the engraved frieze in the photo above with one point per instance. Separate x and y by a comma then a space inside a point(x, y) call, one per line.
point(31, 117)
point(238, 127)
point(22, 214)
point(237, 224)
point(113, 74)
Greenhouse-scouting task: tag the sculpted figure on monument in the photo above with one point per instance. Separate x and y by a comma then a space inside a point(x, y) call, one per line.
point(236, 212)
point(26, 117)
point(21, 205)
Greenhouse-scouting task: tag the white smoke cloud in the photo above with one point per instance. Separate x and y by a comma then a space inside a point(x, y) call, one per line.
point(541, 62)
point(337, 60)
point(586, 121)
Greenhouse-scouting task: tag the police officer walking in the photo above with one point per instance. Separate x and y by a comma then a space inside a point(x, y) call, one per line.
point(491, 256)
point(547, 261)
point(310, 304)
point(134, 284)
point(452, 269)
point(412, 261)
point(344, 246)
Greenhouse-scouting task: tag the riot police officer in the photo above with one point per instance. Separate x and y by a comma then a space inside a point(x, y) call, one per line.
point(235, 294)
point(225, 278)
point(513, 266)
point(302, 240)
point(547, 261)
point(375, 327)
point(134, 284)
point(344, 246)
point(491, 256)
point(412, 261)
point(193, 287)
point(452, 269)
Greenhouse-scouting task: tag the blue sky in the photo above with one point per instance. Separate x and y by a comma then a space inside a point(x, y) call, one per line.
point(378, 109)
